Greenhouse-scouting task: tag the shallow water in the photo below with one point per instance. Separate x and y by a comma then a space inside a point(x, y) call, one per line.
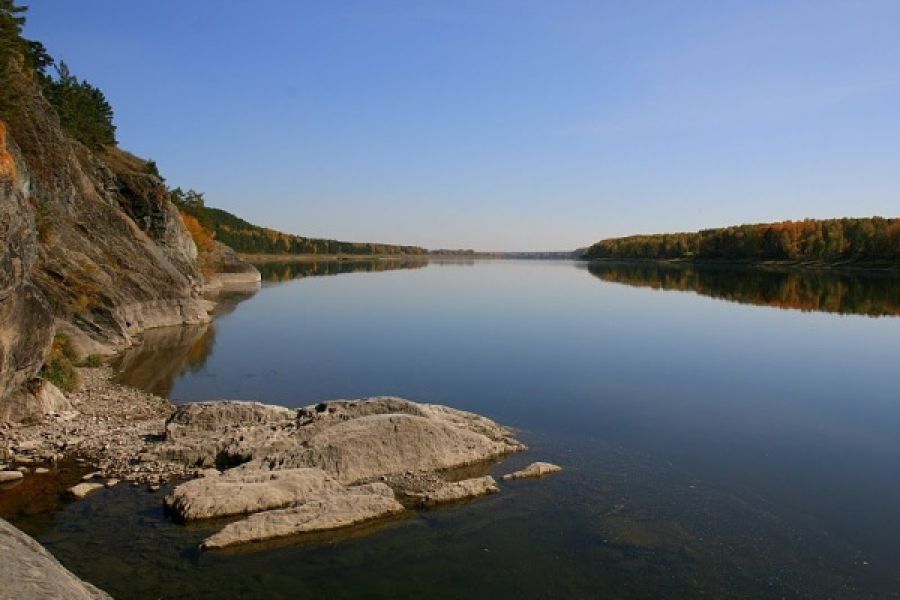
point(737, 440)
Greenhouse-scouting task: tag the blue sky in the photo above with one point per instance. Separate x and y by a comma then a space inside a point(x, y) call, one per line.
point(510, 125)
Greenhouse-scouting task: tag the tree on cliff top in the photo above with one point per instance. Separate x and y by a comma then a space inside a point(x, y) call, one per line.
point(83, 110)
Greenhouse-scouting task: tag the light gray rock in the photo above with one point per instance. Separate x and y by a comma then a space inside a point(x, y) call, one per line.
point(329, 511)
point(6, 476)
point(456, 491)
point(535, 469)
point(244, 491)
point(81, 491)
point(27, 570)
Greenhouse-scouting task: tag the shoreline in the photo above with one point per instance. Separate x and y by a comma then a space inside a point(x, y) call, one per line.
point(262, 259)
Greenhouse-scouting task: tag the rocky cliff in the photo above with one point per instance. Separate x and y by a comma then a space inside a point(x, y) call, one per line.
point(91, 246)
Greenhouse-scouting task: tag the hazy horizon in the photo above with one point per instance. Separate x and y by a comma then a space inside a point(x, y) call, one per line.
point(501, 126)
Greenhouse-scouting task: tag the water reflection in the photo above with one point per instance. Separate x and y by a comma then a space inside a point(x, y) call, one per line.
point(285, 271)
point(166, 353)
point(845, 292)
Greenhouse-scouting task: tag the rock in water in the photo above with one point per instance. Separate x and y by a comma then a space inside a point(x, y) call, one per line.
point(457, 490)
point(6, 476)
point(80, 491)
point(29, 571)
point(244, 491)
point(312, 469)
point(325, 512)
point(535, 469)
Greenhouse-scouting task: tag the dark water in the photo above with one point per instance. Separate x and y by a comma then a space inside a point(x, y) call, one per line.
point(740, 440)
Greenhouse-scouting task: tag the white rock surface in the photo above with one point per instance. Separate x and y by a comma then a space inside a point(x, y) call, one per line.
point(535, 469)
point(244, 491)
point(325, 512)
point(80, 491)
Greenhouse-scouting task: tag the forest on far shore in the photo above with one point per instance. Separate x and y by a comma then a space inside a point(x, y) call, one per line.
point(874, 239)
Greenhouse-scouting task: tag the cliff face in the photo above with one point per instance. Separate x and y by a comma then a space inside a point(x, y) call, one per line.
point(91, 246)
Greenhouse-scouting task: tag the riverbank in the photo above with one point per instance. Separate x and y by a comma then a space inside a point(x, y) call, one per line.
point(110, 427)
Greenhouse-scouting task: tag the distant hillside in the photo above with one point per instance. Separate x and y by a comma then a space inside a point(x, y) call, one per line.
point(870, 239)
point(248, 238)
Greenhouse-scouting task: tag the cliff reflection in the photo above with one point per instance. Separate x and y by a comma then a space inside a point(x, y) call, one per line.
point(165, 353)
point(286, 271)
point(869, 293)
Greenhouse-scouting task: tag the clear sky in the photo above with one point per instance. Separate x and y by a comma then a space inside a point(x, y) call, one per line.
point(511, 125)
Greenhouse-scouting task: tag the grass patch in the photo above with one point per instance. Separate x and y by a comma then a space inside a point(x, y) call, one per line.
point(59, 369)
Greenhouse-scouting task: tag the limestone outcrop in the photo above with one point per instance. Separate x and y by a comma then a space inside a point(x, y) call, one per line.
point(29, 571)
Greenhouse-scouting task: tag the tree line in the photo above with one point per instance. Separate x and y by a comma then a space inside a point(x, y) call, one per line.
point(84, 113)
point(830, 240)
point(248, 238)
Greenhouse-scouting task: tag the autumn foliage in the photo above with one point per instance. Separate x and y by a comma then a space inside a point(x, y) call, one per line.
point(203, 237)
point(871, 239)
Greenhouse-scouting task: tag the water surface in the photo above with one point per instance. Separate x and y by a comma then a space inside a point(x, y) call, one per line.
point(738, 440)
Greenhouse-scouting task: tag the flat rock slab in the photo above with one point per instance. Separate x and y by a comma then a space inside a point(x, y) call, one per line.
point(325, 512)
point(457, 490)
point(80, 491)
point(535, 469)
point(29, 571)
point(243, 491)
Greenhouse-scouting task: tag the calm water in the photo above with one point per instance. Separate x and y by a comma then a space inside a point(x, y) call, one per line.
point(726, 433)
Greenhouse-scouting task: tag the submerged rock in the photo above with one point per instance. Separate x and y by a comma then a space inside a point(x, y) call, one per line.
point(456, 491)
point(535, 469)
point(80, 491)
point(327, 511)
point(29, 571)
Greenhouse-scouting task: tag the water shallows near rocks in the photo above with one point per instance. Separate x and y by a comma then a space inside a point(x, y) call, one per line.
point(284, 471)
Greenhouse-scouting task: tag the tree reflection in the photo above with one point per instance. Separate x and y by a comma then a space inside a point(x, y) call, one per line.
point(869, 293)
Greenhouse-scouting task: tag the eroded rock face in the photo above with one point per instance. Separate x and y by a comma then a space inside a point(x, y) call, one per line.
point(324, 466)
point(25, 318)
point(29, 571)
point(90, 244)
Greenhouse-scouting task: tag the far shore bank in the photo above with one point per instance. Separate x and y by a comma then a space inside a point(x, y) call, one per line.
point(259, 259)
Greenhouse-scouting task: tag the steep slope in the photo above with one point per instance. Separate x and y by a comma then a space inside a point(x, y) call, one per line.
point(91, 246)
